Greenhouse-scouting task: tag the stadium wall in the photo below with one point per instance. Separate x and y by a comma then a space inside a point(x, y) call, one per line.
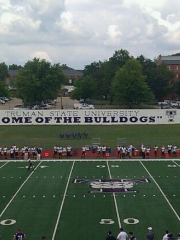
point(89, 117)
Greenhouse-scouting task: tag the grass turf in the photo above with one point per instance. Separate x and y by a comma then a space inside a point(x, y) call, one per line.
point(48, 136)
point(41, 199)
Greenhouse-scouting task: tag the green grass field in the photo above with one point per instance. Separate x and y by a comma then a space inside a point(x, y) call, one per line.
point(48, 201)
point(48, 136)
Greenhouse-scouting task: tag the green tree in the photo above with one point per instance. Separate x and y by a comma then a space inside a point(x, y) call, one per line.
point(4, 89)
point(158, 77)
point(85, 88)
point(164, 86)
point(177, 87)
point(39, 81)
point(3, 71)
point(14, 67)
point(119, 58)
point(129, 85)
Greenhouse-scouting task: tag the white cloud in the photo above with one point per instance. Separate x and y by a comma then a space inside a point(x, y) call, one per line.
point(41, 55)
point(78, 32)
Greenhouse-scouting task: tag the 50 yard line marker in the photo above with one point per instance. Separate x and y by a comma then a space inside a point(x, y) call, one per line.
point(161, 192)
point(60, 210)
point(115, 202)
point(18, 191)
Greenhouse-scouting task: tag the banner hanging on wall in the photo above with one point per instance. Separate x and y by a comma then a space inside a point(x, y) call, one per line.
point(89, 117)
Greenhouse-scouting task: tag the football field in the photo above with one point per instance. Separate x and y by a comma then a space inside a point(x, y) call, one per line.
point(84, 199)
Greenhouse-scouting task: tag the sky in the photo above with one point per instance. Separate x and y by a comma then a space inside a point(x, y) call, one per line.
point(79, 32)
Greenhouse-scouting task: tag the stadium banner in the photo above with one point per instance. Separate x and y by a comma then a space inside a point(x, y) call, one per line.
point(90, 117)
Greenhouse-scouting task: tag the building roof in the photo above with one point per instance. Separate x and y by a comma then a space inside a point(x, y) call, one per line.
point(171, 60)
point(13, 73)
point(72, 72)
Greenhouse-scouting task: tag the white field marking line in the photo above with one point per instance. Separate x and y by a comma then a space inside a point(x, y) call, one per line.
point(100, 160)
point(176, 163)
point(60, 210)
point(18, 191)
point(161, 191)
point(114, 196)
point(3, 165)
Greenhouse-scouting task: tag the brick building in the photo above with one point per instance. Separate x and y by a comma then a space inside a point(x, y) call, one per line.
point(173, 64)
point(72, 75)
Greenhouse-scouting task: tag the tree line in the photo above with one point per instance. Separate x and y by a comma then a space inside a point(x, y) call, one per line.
point(121, 79)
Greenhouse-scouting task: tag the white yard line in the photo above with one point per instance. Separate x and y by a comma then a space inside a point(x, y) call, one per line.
point(176, 163)
point(61, 207)
point(18, 191)
point(114, 196)
point(3, 165)
point(161, 191)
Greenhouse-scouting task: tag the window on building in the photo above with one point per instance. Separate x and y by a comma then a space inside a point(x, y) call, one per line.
point(70, 81)
point(169, 67)
point(177, 75)
point(177, 67)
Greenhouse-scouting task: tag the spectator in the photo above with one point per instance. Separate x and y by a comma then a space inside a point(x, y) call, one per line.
point(150, 234)
point(165, 237)
point(60, 150)
point(110, 236)
point(5, 152)
point(174, 151)
point(155, 150)
point(43, 238)
point(55, 151)
point(119, 151)
point(98, 151)
point(38, 149)
point(104, 151)
point(169, 147)
point(163, 152)
point(147, 152)
point(83, 152)
point(69, 151)
point(122, 235)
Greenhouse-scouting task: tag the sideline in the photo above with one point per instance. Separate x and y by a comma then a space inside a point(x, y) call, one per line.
point(99, 160)
point(18, 191)
point(60, 210)
point(161, 191)
point(115, 202)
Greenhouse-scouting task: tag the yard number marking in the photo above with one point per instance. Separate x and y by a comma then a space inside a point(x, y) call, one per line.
point(131, 221)
point(7, 222)
point(100, 166)
point(106, 221)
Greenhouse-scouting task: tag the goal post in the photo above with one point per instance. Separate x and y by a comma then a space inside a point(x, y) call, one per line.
point(96, 141)
point(121, 141)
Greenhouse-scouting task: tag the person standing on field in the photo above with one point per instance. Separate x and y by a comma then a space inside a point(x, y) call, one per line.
point(150, 234)
point(110, 236)
point(122, 235)
point(165, 237)
point(19, 235)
